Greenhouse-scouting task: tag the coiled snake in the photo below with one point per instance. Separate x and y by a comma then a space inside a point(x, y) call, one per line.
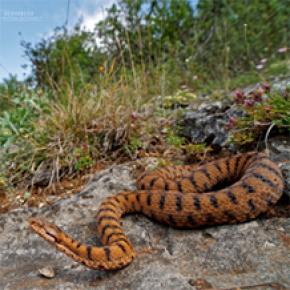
point(179, 196)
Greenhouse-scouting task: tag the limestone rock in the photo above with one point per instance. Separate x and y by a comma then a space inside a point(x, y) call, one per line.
point(167, 258)
point(210, 119)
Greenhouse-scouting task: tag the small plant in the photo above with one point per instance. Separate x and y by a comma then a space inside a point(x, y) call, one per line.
point(177, 163)
point(134, 144)
point(18, 123)
point(27, 195)
point(173, 139)
point(181, 96)
point(3, 183)
point(262, 112)
point(84, 159)
point(162, 162)
point(195, 148)
point(84, 162)
point(132, 147)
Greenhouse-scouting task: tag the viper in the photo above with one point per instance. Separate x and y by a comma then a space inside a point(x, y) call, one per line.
point(230, 190)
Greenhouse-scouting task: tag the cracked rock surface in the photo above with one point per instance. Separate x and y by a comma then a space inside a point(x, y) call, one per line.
point(212, 118)
point(167, 258)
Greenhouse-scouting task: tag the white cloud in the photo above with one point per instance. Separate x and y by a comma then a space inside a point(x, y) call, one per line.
point(91, 11)
point(90, 18)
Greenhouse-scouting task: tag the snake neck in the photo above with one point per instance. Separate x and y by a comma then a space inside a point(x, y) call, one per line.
point(117, 252)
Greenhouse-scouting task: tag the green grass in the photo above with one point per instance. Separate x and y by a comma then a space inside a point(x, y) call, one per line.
point(75, 124)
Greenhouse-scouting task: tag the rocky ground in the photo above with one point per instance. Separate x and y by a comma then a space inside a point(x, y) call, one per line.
point(254, 254)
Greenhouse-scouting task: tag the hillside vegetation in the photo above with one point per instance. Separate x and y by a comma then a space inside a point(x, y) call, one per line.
point(85, 102)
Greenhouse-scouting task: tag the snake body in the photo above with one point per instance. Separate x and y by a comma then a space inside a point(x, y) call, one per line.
point(179, 196)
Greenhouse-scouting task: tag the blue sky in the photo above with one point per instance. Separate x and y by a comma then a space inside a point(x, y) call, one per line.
point(36, 19)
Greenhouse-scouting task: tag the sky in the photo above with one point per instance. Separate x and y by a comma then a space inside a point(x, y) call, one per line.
point(33, 20)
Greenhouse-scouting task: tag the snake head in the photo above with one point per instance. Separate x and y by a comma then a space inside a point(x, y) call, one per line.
point(46, 230)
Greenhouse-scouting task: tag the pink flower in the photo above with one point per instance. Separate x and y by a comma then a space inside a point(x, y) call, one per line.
point(85, 146)
point(266, 87)
point(184, 86)
point(195, 77)
point(259, 66)
point(240, 97)
point(249, 103)
point(257, 97)
point(232, 122)
point(134, 115)
point(260, 89)
point(191, 89)
point(283, 49)
point(263, 60)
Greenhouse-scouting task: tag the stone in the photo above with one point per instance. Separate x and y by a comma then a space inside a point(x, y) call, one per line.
point(209, 119)
point(167, 258)
point(212, 118)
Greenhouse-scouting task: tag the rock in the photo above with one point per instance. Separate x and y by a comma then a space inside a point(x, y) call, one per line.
point(47, 272)
point(167, 258)
point(42, 175)
point(280, 145)
point(279, 84)
point(209, 119)
point(212, 117)
point(280, 153)
point(285, 168)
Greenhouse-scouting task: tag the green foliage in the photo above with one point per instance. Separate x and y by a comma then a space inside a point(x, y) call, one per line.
point(133, 145)
point(262, 112)
point(173, 139)
point(3, 182)
point(165, 44)
point(54, 132)
point(149, 49)
point(27, 195)
point(84, 158)
point(209, 43)
point(181, 96)
point(18, 122)
point(195, 148)
point(9, 87)
point(55, 59)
